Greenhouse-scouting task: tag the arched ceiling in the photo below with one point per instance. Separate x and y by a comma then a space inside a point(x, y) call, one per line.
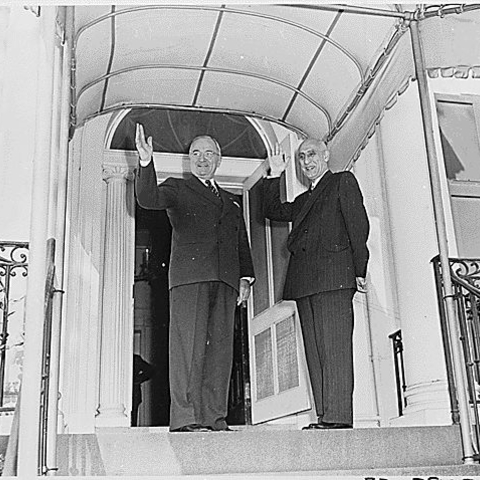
point(314, 68)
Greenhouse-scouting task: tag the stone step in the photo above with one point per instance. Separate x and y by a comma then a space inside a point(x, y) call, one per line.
point(143, 452)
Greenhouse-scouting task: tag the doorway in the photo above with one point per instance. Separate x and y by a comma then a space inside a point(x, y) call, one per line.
point(243, 143)
point(151, 313)
point(151, 327)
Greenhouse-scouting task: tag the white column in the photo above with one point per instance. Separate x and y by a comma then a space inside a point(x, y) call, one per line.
point(116, 350)
point(34, 311)
point(409, 200)
point(86, 197)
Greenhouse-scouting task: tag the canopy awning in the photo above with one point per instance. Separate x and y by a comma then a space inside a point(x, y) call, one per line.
point(322, 72)
point(452, 44)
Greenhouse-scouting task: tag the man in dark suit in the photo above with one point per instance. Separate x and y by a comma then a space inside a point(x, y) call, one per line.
point(210, 271)
point(328, 264)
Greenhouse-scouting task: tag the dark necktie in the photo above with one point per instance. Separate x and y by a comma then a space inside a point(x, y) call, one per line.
point(311, 188)
point(212, 187)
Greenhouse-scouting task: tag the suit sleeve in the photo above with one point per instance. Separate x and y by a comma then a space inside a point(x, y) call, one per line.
point(244, 253)
point(356, 221)
point(273, 208)
point(152, 196)
point(142, 370)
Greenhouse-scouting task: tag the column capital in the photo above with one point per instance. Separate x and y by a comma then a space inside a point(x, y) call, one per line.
point(117, 172)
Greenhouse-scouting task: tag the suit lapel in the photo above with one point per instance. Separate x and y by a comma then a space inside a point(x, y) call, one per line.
point(229, 201)
point(326, 179)
point(317, 191)
point(195, 184)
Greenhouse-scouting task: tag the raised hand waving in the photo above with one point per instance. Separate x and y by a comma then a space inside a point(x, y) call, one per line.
point(276, 161)
point(144, 147)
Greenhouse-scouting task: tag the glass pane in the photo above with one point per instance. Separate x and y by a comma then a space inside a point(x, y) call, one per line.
point(264, 364)
point(287, 357)
point(280, 256)
point(259, 250)
point(460, 143)
point(466, 212)
point(173, 130)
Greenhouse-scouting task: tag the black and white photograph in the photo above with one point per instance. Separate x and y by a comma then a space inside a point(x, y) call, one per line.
point(239, 240)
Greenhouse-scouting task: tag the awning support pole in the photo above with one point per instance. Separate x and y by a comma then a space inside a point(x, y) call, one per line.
point(61, 212)
point(458, 367)
point(377, 12)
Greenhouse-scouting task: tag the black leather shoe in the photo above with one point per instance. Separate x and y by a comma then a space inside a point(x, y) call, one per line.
point(327, 426)
point(312, 426)
point(192, 428)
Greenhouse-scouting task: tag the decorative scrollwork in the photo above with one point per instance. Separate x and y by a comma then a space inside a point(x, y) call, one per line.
point(13, 263)
point(468, 269)
point(13, 253)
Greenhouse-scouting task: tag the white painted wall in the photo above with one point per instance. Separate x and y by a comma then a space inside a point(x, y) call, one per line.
point(380, 302)
point(18, 103)
point(413, 239)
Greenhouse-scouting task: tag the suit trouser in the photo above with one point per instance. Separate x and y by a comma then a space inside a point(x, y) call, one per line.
point(201, 353)
point(327, 327)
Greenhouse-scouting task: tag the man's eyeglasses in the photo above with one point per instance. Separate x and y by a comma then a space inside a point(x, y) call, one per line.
point(208, 155)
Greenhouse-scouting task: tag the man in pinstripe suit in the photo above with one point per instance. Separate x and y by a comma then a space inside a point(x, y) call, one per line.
point(328, 264)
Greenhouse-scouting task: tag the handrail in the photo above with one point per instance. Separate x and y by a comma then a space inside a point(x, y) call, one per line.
point(465, 276)
point(466, 285)
point(46, 358)
point(398, 362)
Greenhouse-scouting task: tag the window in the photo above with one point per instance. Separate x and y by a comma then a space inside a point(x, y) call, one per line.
point(459, 122)
point(459, 132)
point(173, 131)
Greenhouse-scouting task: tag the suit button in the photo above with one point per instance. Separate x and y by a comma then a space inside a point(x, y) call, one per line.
point(303, 248)
point(306, 230)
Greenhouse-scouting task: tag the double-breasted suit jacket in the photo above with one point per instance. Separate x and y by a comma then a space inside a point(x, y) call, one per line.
point(209, 256)
point(327, 242)
point(209, 239)
point(328, 251)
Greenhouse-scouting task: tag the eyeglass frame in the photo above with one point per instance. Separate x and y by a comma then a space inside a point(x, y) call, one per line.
point(208, 155)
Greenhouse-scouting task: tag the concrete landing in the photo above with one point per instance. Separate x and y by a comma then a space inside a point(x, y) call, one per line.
point(155, 452)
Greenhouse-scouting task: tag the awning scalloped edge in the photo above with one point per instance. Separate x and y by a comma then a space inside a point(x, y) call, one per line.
point(458, 71)
point(390, 103)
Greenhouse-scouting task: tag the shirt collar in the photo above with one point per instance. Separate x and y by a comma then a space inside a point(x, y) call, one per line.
point(315, 182)
point(212, 181)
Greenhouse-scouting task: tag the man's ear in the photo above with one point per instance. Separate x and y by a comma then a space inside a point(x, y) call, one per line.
point(326, 155)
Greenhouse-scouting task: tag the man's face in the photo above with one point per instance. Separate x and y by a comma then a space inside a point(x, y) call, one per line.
point(204, 158)
point(313, 158)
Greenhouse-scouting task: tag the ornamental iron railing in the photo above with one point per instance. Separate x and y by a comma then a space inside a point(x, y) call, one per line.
point(397, 346)
point(13, 287)
point(465, 274)
point(13, 260)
